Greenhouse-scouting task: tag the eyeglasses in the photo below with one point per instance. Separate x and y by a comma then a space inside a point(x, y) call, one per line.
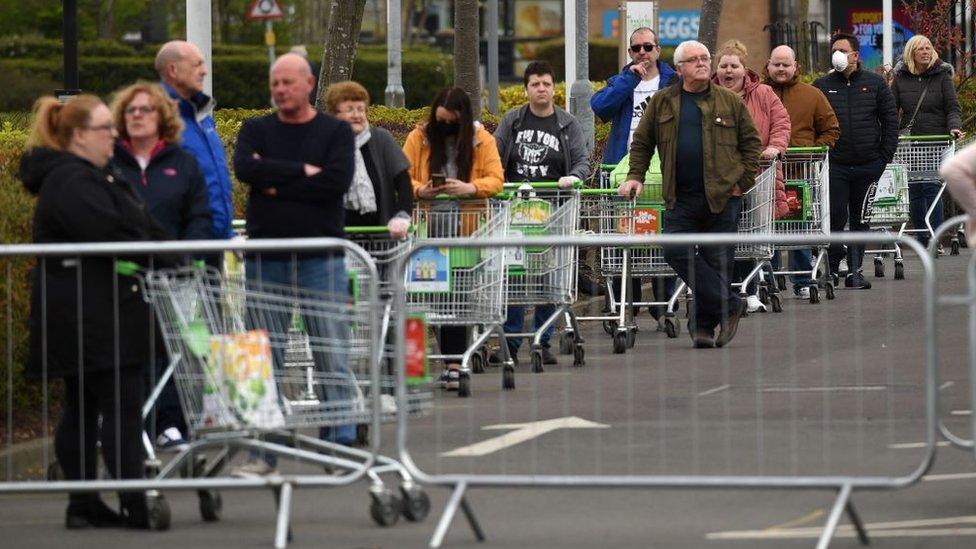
point(107, 127)
point(648, 47)
point(141, 109)
point(358, 109)
point(696, 60)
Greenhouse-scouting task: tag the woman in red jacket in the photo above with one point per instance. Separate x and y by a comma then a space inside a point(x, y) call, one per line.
point(769, 115)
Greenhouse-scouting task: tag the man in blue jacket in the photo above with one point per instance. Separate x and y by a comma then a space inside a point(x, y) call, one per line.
point(625, 95)
point(181, 68)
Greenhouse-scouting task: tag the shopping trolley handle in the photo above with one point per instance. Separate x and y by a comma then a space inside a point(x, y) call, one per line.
point(374, 230)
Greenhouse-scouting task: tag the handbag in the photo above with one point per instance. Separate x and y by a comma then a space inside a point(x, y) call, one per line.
point(907, 130)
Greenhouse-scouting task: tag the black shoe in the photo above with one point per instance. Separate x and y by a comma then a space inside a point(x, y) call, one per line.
point(547, 357)
point(701, 338)
point(857, 281)
point(91, 511)
point(136, 510)
point(731, 325)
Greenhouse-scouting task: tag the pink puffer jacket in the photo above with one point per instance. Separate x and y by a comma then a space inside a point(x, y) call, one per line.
point(773, 123)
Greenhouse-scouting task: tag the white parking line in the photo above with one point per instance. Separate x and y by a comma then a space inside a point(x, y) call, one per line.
point(950, 476)
point(947, 526)
point(714, 390)
point(913, 445)
point(850, 388)
point(946, 385)
point(962, 412)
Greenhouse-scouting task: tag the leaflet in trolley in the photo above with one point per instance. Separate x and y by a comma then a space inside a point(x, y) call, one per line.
point(459, 286)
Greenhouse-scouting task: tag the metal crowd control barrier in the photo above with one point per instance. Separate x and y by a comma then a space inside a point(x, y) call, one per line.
point(760, 413)
point(200, 311)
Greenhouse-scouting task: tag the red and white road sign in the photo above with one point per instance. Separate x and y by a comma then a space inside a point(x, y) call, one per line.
point(265, 10)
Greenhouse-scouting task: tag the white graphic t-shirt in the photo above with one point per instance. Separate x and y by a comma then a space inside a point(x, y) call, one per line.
point(642, 94)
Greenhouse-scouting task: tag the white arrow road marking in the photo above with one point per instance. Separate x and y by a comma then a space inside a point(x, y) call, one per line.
point(521, 433)
point(949, 526)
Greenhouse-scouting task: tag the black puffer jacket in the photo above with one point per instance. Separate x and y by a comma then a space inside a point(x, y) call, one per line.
point(865, 109)
point(86, 299)
point(939, 111)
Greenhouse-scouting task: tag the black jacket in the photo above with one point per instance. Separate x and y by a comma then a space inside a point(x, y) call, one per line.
point(866, 112)
point(77, 202)
point(173, 189)
point(939, 111)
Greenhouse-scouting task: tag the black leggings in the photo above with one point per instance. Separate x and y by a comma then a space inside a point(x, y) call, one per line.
point(121, 429)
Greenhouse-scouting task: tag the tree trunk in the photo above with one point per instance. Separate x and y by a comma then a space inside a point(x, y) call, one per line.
point(105, 11)
point(466, 50)
point(711, 14)
point(341, 41)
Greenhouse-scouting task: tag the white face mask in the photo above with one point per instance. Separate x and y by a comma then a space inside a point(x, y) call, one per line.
point(839, 61)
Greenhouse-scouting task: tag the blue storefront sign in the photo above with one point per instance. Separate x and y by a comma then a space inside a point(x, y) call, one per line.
point(676, 26)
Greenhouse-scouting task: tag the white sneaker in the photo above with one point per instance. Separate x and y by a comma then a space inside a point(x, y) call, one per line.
point(842, 267)
point(171, 440)
point(253, 468)
point(804, 292)
point(753, 304)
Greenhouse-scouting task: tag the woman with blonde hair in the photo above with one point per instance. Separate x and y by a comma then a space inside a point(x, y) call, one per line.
point(88, 324)
point(169, 180)
point(925, 98)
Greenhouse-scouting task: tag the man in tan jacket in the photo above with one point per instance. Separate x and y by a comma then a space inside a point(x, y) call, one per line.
point(706, 131)
point(814, 124)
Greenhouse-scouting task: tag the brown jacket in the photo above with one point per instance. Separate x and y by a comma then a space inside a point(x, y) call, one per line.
point(730, 144)
point(811, 116)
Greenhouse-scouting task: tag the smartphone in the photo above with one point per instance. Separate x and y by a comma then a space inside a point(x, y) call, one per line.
point(437, 179)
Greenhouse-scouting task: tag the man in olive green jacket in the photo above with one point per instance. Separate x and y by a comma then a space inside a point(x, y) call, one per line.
point(709, 151)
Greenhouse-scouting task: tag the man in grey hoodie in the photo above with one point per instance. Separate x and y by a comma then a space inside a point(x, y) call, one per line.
point(540, 142)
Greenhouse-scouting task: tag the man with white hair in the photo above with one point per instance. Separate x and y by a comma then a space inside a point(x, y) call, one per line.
point(813, 124)
point(299, 164)
point(706, 131)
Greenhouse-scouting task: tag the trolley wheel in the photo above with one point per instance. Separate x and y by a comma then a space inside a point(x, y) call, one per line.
point(619, 342)
point(159, 514)
point(878, 267)
point(579, 356)
point(961, 237)
point(899, 270)
point(508, 377)
point(781, 282)
point(671, 328)
point(477, 363)
point(631, 337)
point(55, 472)
point(211, 504)
point(537, 362)
point(416, 504)
point(566, 343)
point(776, 303)
point(814, 295)
point(829, 291)
point(609, 326)
point(954, 247)
point(464, 384)
point(385, 508)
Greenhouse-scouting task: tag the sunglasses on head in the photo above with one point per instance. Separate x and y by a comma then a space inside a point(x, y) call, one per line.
point(648, 47)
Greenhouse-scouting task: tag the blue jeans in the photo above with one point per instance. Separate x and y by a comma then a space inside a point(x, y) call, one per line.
point(800, 260)
point(848, 185)
point(704, 268)
point(921, 196)
point(515, 323)
point(320, 274)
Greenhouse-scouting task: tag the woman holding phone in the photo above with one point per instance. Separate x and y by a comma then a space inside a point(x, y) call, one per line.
point(452, 154)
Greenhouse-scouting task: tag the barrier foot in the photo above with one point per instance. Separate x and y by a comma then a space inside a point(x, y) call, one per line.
point(862, 533)
point(457, 500)
point(840, 504)
point(282, 530)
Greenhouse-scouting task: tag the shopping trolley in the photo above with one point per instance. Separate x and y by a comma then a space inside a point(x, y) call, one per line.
point(460, 286)
point(806, 174)
point(886, 204)
point(542, 275)
point(756, 218)
point(603, 211)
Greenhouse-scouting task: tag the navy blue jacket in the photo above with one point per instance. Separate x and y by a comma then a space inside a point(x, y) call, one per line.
point(201, 140)
point(866, 111)
point(616, 102)
point(172, 187)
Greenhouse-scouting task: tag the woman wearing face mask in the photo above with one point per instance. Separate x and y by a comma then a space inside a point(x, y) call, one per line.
point(927, 105)
point(771, 119)
point(453, 144)
point(380, 193)
point(88, 325)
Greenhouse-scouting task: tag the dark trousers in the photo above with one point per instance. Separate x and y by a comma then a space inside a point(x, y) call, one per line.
point(120, 405)
point(167, 412)
point(705, 269)
point(848, 186)
point(921, 196)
